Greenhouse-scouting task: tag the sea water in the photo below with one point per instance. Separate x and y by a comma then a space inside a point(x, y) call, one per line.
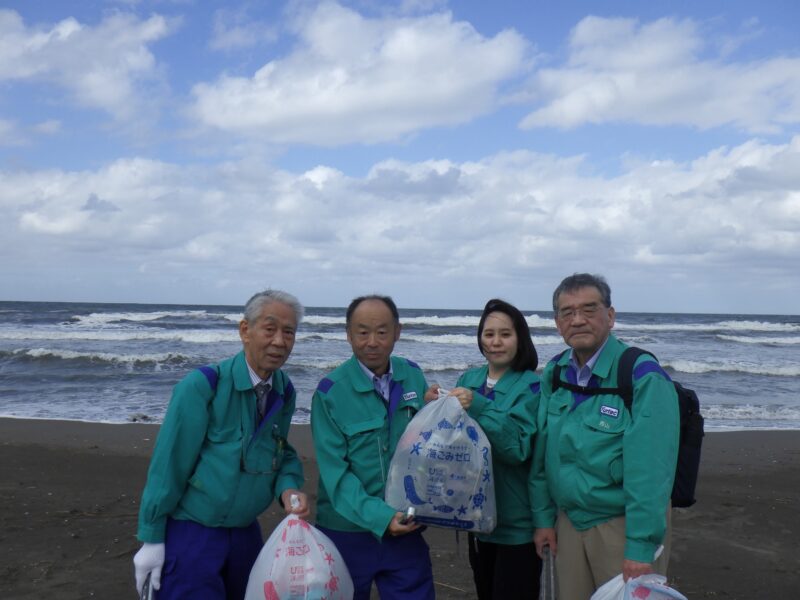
point(118, 362)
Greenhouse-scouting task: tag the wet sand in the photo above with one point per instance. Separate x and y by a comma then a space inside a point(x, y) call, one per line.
point(69, 496)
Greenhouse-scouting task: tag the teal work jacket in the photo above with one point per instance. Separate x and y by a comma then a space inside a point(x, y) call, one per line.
point(596, 461)
point(212, 462)
point(355, 439)
point(507, 415)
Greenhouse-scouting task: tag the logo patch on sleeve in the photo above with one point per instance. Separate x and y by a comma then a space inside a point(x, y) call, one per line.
point(409, 396)
point(609, 411)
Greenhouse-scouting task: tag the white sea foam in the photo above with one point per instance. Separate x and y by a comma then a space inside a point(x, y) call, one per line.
point(770, 341)
point(751, 412)
point(452, 338)
point(104, 356)
point(323, 320)
point(337, 337)
point(454, 366)
point(712, 327)
point(434, 321)
point(690, 366)
point(99, 319)
point(328, 365)
point(197, 336)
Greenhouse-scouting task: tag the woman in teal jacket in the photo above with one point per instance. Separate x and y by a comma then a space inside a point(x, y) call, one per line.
point(503, 397)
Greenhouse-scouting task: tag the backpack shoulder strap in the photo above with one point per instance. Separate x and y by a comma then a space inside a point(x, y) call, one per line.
point(625, 373)
point(557, 383)
point(212, 375)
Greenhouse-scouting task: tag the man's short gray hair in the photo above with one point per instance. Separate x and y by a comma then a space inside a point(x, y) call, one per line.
point(577, 281)
point(254, 306)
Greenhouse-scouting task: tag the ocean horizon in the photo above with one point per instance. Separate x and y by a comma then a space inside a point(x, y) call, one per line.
point(117, 362)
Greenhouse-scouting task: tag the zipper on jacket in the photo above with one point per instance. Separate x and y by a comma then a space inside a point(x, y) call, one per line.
point(380, 457)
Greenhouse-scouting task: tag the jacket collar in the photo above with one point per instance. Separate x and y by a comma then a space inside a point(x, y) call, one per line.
point(241, 376)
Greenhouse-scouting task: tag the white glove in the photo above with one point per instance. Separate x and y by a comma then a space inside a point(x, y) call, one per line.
point(149, 558)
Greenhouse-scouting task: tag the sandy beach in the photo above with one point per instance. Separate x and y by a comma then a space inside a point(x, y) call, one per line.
point(69, 495)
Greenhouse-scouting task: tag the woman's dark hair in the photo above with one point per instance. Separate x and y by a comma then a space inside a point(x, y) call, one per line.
point(526, 357)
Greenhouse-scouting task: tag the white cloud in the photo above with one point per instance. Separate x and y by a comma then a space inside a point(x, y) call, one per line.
point(48, 127)
point(15, 134)
point(354, 79)
point(657, 73)
point(237, 29)
point(107, 66)
point(502, 221)
point(9, 133)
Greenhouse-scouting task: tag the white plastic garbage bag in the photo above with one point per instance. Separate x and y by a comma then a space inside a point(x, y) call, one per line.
point(443, 468)
point(651, 586)
point(299, 562)
point(613, 589)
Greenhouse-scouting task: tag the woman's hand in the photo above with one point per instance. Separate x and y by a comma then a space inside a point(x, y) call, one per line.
point(464, 396)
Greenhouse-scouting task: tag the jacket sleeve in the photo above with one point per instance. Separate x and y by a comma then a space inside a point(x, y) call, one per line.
point(650, 451)
point(177, 449)
point(542, 505)
point(291, 472)
point(346, 492)
point(510, 425)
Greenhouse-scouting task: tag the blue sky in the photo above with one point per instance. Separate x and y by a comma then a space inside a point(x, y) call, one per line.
point(193, 152)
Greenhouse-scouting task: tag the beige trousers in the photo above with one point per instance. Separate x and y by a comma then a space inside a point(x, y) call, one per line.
point(585, 560)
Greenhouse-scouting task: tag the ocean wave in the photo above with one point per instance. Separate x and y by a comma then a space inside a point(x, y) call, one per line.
point(329, 365)
point(767, 341)
point(689, 366)
point(764, 326)
point(334, 337)
point(322, 365)
point(323, 320)
point(99, 319)
point(456, 339)
point(197, 336)
point(751, 412)
point(130, 359)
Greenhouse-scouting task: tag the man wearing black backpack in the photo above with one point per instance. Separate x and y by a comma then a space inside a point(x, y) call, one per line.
point(602, 473)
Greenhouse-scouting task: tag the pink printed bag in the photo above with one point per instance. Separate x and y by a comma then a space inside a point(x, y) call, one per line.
point(299, 562)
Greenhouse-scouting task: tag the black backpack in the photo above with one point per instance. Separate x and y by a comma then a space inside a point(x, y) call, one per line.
point(691, 429)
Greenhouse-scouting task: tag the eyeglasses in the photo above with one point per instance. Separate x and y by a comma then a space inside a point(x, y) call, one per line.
point(254, 463)
point(588, 311)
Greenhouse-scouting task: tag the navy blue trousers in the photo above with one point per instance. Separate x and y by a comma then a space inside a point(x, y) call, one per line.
point(208, 563)
point(399, 566)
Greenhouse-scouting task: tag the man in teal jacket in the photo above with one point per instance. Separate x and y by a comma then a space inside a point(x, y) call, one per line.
point(358, 414)
point(220, 458)
point(602, 474)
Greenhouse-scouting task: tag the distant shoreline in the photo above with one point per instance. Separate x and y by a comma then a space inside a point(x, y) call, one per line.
point(709, 430)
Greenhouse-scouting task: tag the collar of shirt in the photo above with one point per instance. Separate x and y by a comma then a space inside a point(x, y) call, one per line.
point(255, 379)
point(585, 372)
point(383, 383)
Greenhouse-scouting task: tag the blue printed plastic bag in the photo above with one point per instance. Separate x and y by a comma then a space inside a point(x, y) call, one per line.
point(443, 468)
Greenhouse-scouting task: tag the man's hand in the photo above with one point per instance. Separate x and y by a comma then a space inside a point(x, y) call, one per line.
point(149, 558)
point(300, 507)
point(546, 536)
point(632, 568)
point(432, 393)
point(396, 527)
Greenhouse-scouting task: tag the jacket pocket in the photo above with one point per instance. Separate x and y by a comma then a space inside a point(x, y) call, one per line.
point(602, 438)
point(367, 446)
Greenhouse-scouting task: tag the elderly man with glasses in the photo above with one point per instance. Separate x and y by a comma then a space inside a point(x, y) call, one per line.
point(602, 475)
